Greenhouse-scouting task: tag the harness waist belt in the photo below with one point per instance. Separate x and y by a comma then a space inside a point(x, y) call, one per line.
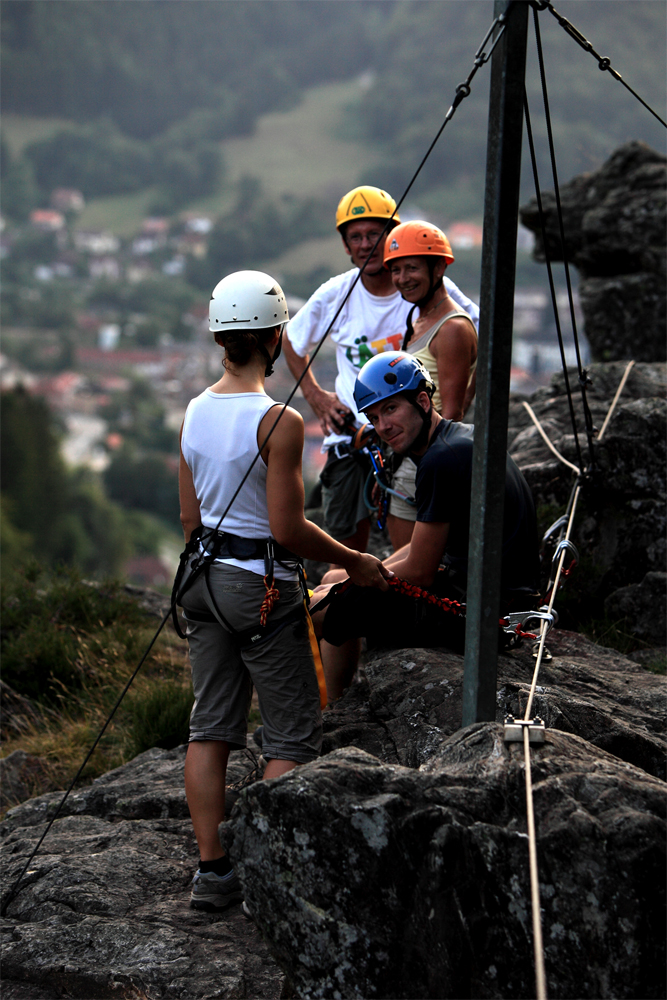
point(228, 546)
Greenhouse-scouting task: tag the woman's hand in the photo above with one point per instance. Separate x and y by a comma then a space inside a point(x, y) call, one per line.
point(368, 571)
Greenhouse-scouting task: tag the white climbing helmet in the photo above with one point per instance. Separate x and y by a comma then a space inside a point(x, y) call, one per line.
point(247, 300)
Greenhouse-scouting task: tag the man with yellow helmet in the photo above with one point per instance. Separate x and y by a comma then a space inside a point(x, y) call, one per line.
point(372, 321)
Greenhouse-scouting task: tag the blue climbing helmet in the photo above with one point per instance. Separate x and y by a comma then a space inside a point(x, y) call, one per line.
point(389, 374)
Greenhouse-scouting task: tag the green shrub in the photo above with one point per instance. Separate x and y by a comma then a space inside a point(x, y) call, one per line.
point(160, 717)
point(62, 633)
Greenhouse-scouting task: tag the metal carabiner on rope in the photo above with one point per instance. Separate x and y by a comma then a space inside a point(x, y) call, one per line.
point(565, 545)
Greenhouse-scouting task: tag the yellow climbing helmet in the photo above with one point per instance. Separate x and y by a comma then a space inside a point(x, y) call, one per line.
point(365, 202)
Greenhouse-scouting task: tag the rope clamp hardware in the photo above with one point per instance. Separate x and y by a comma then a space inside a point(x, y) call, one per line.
point(513, 729)
point(523, 618)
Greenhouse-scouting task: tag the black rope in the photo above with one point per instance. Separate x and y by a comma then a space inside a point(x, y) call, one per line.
point(604, 63)
point(583, 377)
point(462, 91)
point(552, 287)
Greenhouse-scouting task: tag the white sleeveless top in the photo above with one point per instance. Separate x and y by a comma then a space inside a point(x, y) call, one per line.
point(219, 442)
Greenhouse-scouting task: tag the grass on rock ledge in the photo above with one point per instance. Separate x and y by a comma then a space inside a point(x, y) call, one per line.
point(68, 647)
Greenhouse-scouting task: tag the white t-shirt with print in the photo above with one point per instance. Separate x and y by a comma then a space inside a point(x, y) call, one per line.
point(367, 325)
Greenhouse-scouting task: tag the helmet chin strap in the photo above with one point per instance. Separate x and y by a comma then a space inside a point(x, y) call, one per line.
point(422, 438)
point(270, 361)
point(424, 301)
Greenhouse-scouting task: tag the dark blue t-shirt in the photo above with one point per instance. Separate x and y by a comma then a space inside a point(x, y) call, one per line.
point(443, 486)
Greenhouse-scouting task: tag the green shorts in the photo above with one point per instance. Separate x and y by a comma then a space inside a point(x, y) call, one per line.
point(343, 481)
point(281, 668)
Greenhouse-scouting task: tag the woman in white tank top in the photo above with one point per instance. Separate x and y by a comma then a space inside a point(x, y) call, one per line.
point(221, 435)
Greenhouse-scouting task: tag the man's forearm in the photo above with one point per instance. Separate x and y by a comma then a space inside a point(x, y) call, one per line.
point(297, 365)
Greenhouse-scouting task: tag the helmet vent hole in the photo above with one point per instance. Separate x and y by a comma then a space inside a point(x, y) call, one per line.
point(390, 378)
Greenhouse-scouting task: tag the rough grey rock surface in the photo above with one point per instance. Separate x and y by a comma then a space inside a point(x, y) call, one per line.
point(104, 910)
point(375, 880)
point(405, 703)
point(614, 223)
point(620, 528)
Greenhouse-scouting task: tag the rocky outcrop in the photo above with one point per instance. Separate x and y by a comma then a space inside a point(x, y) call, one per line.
point(413, 833)
point(374, 880)
point(620, 526)
point(405, 703)
point(104, 910)
point(614, 223)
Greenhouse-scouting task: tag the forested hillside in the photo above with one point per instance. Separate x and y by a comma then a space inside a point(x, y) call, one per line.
point(146, 65)
point(157, 86)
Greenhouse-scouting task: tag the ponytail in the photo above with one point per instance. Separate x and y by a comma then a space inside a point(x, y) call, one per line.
point(241, 345)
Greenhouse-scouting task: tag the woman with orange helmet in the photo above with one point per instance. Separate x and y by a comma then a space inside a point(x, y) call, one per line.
point(443, 338)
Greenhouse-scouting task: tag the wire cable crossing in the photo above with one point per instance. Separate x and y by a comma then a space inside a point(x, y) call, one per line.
point(604, 63)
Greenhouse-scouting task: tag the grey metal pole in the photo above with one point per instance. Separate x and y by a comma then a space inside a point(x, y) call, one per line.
point(501, 209)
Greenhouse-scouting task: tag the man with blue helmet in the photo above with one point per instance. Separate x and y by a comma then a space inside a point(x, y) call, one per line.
point(394, 391)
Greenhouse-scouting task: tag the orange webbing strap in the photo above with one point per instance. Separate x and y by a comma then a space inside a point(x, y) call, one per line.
point(315, 647)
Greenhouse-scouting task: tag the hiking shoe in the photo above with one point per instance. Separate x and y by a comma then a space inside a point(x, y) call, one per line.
point(212, 892)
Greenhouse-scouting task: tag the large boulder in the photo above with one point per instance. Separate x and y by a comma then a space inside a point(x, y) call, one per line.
point(104, 909)
point(375, 880)
point(405, 703)
point(614, 222)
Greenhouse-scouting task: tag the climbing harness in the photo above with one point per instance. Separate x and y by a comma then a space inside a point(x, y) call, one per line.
point(367, 442)
point(216, 545)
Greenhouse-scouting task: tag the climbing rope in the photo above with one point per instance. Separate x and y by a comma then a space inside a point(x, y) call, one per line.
point(604, 63)
point(538, 949)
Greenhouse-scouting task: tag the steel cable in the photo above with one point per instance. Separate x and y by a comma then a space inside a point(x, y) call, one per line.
point(552, 287)
point(583, 378)
point(604, 63)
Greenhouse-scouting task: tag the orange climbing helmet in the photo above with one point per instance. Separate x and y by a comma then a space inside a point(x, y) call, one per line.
point(365, 202)
point(417, 239)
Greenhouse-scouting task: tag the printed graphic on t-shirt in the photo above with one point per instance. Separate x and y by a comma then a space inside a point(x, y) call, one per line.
point(362, 351)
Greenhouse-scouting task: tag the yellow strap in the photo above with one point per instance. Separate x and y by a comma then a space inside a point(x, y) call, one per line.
point(319, 669)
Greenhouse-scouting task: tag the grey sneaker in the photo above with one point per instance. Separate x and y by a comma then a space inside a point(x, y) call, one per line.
point(211, 892)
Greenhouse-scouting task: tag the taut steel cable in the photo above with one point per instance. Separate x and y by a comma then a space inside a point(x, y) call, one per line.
point(604, 63)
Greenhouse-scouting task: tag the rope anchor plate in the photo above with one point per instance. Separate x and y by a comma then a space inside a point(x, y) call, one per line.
point(513, 730)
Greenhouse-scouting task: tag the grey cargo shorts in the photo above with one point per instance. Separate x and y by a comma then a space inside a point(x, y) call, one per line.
point(281, 668)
